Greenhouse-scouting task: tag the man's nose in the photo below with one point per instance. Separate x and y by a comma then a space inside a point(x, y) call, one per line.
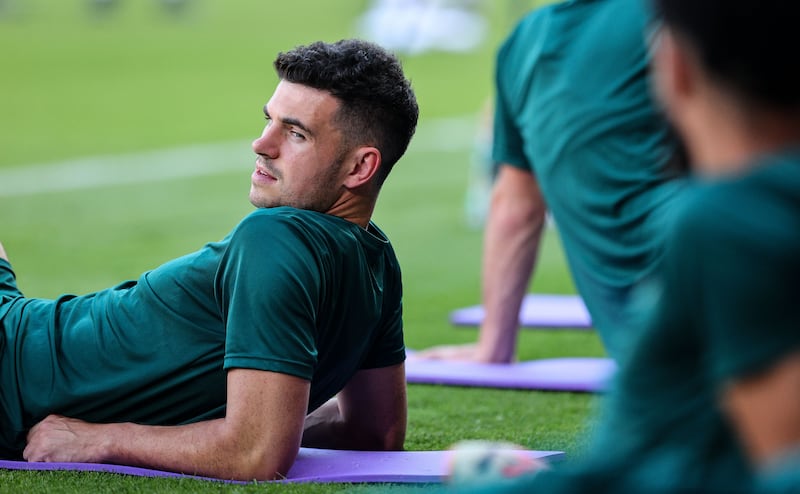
point(267, 143)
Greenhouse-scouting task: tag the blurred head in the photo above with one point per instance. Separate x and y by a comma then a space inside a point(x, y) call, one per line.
point(340, 117)
point(746, 47)
point(377, 105)
point(725, 57)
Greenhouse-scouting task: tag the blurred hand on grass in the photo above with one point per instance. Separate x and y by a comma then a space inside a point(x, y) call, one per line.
point(467, 352)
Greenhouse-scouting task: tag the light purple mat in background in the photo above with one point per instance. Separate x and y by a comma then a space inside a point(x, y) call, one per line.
point(537, 311)
point(582, 374)
point(313, 465)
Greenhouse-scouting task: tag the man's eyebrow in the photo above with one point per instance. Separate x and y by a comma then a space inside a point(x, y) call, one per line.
point(291, 121)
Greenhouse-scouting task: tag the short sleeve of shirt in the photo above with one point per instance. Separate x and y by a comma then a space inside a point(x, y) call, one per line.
point(266, 286)
point(8, 282)
point(507, 141)
point(735, 252)
point(8, 287)
point(389, 349)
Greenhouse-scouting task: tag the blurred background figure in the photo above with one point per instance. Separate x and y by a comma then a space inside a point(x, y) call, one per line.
point(708, 399)
point(481, 172)
point(575, 131)
point(418, 26)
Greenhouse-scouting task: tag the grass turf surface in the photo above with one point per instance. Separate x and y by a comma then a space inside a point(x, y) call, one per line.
point(78, 85)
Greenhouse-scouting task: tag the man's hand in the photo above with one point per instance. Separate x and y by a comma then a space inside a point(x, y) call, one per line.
point(58, 438)
point(369, 414)
point(258, 439)
point(468, 352)
point(465, 352)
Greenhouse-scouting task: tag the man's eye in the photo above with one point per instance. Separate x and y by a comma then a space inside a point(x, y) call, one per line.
point(269, 120)
point(297, 135)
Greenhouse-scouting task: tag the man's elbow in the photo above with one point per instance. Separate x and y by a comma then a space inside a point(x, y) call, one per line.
point(262, 466)
point(373, 439)
point(394, 442)
point(391, 440)
point(517, 214)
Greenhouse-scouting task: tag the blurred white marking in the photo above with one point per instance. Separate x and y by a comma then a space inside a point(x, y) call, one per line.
point(440, 135)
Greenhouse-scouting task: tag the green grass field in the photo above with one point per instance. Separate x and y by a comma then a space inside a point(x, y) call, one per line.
point(107, 126)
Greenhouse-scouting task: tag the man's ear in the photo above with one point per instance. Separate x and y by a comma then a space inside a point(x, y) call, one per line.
point(364, 165)
point(675, 70)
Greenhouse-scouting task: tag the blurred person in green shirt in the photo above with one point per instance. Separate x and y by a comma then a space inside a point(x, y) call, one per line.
point(708, 399)
point(576, 132)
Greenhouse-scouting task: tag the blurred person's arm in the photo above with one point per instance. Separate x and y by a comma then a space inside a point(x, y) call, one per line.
point(765, 410)
point(3, 254)
point(369, 414)
point(511, 243)
point(258, 438)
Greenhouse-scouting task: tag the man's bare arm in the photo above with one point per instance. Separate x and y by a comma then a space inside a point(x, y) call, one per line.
point(368, 414)
point(3, 254)
point(511, 243)
point(258, 439)
point(765, 410)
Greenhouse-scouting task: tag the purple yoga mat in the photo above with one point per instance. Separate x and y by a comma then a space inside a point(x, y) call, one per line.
point(313, 465)
point(582, 374)
point(537, 311)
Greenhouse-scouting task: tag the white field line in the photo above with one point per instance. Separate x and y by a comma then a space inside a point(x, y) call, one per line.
point(440, 135)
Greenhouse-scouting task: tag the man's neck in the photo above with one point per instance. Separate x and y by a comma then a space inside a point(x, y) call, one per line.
point(733, 140)
point(354, 208)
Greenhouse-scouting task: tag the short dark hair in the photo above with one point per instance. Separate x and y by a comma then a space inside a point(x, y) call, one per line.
point(747, 45)
point(378, 105)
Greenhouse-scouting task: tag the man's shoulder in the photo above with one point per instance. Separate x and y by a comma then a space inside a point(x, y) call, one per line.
point(566, 18)
point(751, 211)
point(703, 214)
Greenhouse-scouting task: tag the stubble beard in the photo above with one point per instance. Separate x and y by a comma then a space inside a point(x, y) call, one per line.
point(319, 195)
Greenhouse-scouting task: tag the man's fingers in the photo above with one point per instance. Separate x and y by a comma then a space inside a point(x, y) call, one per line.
point(448, 352)
point(37, 437)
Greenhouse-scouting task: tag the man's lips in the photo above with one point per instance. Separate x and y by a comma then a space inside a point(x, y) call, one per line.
point(265, 173)
point(264, 170)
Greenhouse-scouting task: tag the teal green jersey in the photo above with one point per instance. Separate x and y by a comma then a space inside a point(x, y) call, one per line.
point(574, 107)
point(289, 291)
point(728, 307)
point(722, 307)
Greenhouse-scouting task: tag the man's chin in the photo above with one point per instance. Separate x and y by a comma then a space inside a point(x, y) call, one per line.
point(262, 202)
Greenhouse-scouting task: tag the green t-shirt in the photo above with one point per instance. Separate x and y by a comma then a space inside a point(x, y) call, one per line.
point(723, 306)
point(289, 291)
point(574, 107)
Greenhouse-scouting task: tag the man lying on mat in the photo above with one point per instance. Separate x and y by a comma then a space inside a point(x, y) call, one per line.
point(210, 363)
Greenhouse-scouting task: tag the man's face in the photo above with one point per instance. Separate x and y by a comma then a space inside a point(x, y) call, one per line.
point(299, 152)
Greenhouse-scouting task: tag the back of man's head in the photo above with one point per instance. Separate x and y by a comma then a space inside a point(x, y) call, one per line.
point(748, 46)
point(378, 106)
